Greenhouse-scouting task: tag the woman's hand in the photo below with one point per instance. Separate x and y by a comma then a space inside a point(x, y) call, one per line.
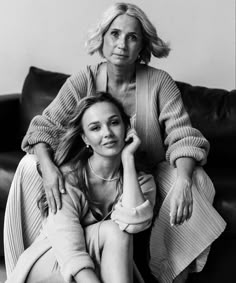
point(132, 142)
point(181, 203)
point(53, 183)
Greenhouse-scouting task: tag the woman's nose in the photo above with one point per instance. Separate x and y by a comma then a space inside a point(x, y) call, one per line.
point(121, 42)
point(107, 131)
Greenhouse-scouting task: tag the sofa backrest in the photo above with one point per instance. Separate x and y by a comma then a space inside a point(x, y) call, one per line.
point(212, 111)
point(39, 89)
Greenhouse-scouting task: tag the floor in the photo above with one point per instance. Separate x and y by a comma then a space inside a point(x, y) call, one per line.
point(2, 270)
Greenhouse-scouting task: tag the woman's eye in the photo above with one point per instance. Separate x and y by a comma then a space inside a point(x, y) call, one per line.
point(115, 33)
point(115, 122)
point(133, 37)
point(95, 128)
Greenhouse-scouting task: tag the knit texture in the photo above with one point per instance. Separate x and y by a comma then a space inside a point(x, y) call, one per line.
point(161, 120)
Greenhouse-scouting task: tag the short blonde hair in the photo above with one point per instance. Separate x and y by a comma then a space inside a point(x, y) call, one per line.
point(152, 43)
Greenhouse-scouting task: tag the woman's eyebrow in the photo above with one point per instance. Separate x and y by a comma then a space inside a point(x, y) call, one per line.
point(94, 123)
point(114, 116)
point(109, 118)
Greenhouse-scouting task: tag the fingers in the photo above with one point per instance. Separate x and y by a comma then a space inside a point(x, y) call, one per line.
point(51, 201)
point(132, 138)
point(57, 193)
point(183, 216)
point(173, 215)
point(180, 214)
point(57, 198)
point(181, 202)
point(130, 134)
point(62, 186)
point(177, 216)
point(53, 194)
point(190, 211)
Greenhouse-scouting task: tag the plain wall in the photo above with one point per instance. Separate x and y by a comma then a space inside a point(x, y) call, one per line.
point(50, 34)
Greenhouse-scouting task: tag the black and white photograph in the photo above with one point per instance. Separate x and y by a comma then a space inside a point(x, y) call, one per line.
point(118, 141)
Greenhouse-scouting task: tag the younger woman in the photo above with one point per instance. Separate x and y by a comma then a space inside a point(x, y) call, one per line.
point(89, 239)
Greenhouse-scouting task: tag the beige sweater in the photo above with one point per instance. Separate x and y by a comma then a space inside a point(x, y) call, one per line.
point(162, 122)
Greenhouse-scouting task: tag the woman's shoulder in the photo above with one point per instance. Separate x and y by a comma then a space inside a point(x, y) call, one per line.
point(85, 71)
point(154, 72)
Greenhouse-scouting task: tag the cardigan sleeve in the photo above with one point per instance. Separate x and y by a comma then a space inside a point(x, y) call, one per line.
point(48, 127)
point(66, 234)
point(180, 138)
point(137, 219)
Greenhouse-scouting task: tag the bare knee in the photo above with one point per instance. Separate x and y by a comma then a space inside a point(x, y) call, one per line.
point(110, 233)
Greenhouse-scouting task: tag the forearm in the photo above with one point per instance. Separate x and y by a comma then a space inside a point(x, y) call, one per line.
point(44, 155)
point(132, 194)
point(185, 167)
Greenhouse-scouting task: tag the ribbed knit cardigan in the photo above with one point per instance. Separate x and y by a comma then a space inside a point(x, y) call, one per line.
point(162, 122)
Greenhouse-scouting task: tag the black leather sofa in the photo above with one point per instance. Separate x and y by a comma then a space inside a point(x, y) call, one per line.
point(212, 111)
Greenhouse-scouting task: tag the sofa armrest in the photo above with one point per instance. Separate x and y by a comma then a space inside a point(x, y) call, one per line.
point(10, 122)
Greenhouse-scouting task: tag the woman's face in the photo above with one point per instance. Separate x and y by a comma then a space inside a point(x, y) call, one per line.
point(104, 129)
point(122, 42)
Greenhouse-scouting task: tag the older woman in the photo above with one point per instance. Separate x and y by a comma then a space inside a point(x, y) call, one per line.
point(171, 147)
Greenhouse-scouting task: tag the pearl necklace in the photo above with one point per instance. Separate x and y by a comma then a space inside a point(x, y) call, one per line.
point(99, 177)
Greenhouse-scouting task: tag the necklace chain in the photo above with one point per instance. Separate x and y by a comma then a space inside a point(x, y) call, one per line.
point(99, 177)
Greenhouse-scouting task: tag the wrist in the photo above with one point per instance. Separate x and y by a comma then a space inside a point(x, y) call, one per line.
point(128, 160)
point(44, 154)
point(185, 167)
point(185, 180)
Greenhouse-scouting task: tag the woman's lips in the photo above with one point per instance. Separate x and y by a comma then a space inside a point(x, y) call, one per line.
point(109, 144)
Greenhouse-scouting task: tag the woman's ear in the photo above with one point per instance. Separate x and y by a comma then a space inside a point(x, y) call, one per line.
point(84, 138)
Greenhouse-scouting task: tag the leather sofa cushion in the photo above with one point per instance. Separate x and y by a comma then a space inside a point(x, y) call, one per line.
point(213, 112)
point(39, 89)
point(9, 122)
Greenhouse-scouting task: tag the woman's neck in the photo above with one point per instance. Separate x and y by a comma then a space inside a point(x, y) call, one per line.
point(104, 168)
point(119, 74)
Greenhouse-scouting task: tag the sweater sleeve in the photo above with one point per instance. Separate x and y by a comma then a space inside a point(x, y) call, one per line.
point(48, 127)
point(137, 219)
point(180, 138)
point(66, 234)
